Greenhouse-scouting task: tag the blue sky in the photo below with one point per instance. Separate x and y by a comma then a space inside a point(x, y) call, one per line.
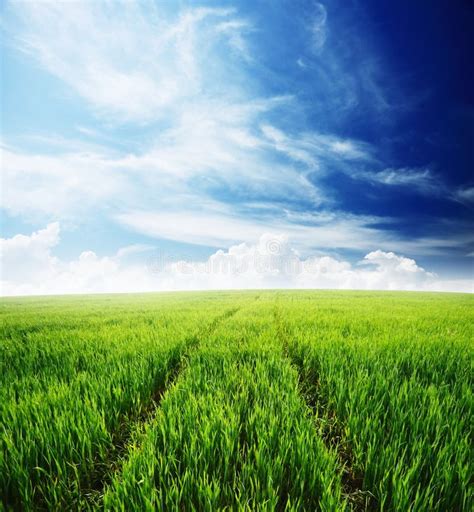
point(338, 129)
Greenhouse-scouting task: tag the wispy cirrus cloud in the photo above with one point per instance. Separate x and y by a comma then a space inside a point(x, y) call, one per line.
point(465, 195)
point(212, 149)
point(420, 180)
point(317, 26)
point(336, 231)
point(57, 185)
point(313, 148)
point(138, 62)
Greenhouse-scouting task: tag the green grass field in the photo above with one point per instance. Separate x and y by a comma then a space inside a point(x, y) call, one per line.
point(271, 400)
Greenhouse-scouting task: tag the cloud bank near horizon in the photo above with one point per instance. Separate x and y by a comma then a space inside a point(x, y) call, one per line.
point(31, 268)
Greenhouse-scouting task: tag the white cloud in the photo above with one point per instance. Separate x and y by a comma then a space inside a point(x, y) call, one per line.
point(465, 195)
point(133, 249)
point(234, 30)
point(419, 179)
point(214, 225)
point(30, 267)
point(318, 27)
point(210, 144)
point(192, 226)
point(316, 149)
point(207, 226)
point(351, 73)
point(25, 258)
point(59, 185)
point(138, 61)
point(301, 63)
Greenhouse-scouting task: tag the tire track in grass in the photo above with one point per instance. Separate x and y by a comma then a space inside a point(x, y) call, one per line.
point(233, 435)
point(328, 427)
point(132, 426)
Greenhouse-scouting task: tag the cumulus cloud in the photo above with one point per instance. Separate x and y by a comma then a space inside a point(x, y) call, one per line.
point(30, 267)
point(28, 257)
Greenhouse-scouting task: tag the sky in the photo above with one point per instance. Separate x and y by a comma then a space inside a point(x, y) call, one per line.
point(175, 145)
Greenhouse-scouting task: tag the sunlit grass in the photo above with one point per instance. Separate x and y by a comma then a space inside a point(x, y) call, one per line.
point(240, 400)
